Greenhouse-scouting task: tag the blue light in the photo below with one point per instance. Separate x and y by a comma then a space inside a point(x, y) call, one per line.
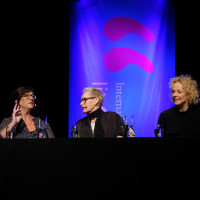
point(132, 91)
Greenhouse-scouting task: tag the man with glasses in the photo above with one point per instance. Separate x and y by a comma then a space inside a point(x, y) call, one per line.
point(97, 123)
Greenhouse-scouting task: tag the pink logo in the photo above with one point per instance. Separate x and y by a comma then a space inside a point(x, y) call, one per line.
point(117, 58)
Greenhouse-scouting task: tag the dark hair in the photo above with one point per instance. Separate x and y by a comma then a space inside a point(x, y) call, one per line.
point(19, 92)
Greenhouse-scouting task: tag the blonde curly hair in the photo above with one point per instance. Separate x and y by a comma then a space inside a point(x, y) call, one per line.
point(189, 85)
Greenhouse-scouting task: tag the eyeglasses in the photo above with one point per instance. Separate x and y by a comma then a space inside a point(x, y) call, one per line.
point(28, 96)
point(85, 99)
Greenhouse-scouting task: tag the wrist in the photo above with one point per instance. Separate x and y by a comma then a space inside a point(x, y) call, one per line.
point(11, 126)
point(8, 128)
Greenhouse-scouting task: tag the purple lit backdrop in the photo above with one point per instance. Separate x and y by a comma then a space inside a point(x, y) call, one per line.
point(126, 49)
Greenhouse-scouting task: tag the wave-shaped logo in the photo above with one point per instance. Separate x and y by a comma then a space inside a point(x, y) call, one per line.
point(117, 58)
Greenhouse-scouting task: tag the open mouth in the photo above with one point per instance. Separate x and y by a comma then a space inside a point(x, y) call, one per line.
point(84, 109)
point(175, 100)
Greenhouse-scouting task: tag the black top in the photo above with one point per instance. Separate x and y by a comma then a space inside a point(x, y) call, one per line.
point(176, 123)
point(113, 126)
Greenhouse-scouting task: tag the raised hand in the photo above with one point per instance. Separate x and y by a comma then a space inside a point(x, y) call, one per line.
point(16, 115)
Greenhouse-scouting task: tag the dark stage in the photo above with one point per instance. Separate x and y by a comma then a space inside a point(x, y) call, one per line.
point(100, 169)
point(35, 52)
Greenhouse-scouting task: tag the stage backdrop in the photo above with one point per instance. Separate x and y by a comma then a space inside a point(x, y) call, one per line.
point(126, 49)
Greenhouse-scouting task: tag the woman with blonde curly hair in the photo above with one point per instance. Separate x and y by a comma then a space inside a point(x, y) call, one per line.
point(183, 119)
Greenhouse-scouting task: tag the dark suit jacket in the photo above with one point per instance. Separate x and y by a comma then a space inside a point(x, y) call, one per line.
point(113, 125)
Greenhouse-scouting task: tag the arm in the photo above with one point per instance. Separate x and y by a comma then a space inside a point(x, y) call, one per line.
point(120, 126)
point(161, 120)
point(8, 124)
point(49, 131)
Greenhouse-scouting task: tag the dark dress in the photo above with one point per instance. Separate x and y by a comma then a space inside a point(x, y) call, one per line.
point(176, 123)
point(21, 130)
point(113, 126)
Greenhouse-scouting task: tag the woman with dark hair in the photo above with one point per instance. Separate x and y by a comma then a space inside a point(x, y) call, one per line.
point(22, 123)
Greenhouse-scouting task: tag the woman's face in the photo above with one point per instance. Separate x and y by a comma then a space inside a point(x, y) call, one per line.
point(179, 96)
point(89, 103)
point(27, 101)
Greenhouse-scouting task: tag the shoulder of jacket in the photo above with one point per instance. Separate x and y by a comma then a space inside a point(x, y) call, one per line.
point(81, 120)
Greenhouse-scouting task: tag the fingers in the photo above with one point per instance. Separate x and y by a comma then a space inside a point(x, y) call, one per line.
point(16, 107)
point(131, 135)
point(17, 110)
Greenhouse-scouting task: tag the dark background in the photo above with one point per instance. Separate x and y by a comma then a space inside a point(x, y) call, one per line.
point(34, 43)
point(35, 52)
